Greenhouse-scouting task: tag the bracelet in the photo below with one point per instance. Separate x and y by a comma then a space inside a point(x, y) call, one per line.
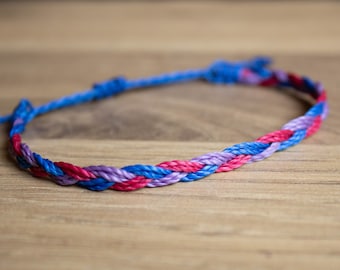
point(133, 177)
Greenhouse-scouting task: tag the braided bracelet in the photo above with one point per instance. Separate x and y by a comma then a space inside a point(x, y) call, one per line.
point(128, 178)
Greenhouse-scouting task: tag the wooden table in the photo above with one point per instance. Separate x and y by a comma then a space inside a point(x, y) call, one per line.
point(282, 213)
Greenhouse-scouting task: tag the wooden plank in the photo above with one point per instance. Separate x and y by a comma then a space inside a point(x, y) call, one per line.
point(140, 26)
point(282, 213)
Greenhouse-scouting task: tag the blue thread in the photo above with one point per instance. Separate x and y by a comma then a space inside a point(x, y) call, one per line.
point(297, 137)
point(247, 148)
point(218, 72)
point(21, 114)
point(148, 171)
point(223, 72)
point(316, 110)
point(48, 165)
point(309, 84)
point(98, 184)
point(110, 87)
point(205, 171)
point(23, 164)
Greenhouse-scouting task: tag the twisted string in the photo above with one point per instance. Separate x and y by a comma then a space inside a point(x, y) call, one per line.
point(133, 177)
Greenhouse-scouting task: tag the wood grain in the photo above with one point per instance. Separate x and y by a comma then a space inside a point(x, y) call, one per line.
point(172, 26)
point(282, 213)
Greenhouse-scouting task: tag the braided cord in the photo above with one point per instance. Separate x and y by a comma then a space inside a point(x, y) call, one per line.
point(133, 177)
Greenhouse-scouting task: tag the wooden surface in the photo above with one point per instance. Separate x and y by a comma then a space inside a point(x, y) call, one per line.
point(282, 213)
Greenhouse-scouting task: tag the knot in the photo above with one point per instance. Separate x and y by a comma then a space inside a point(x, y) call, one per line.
point(21, 116)
point(223, 72)
point(24, 111)
point(110, 87)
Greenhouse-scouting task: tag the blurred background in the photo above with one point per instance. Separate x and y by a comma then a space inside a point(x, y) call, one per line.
point(217, 27)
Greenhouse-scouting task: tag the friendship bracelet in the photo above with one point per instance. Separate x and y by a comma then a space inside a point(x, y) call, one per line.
point(133, 177)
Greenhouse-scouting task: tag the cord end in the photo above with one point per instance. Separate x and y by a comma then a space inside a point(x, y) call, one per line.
point(5, 119)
